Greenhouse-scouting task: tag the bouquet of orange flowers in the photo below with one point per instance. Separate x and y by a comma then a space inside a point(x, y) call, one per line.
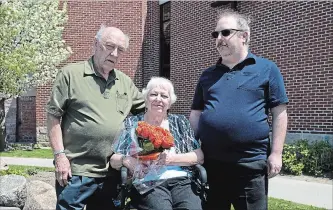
point(153, 140)
point(145, 142)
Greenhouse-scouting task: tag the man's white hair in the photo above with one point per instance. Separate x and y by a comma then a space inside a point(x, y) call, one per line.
point(162, 83)
point(100, 32)
point(243, 21)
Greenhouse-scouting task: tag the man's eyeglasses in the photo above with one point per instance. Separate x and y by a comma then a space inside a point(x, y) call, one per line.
point(224, 32)
point(112, 47)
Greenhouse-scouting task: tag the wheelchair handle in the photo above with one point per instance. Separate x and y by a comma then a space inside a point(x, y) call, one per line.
point(202, 172)
point(123, 172)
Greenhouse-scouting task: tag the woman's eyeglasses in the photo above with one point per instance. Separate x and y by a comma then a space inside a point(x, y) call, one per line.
point(224, 32)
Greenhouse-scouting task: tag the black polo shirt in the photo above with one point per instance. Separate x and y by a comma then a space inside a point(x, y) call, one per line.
point(233, 126)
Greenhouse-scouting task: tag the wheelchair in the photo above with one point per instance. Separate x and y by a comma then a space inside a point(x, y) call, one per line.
point(199, 178)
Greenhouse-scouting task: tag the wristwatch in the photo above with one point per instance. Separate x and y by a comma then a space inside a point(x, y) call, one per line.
point(58, 152)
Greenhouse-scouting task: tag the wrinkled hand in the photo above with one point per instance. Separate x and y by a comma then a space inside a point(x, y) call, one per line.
point(63, 169)
point(130, 163)
point(166, 158)
point(144, 169)
point(274, 165)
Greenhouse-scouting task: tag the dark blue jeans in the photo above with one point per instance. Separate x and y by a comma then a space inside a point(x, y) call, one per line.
point(244, 185)
point(173, 194)
point(95, 193)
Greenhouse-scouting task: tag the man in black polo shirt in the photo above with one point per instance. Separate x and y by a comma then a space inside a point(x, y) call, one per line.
point(229, 115)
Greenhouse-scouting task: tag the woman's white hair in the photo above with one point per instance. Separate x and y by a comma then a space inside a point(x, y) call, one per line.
point(162, 83)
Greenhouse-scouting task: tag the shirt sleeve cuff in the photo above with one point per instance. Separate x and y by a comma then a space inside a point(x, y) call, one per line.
point(278, 102)
point(54, 111)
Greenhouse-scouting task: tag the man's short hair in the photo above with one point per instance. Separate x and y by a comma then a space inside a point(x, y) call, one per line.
point(243, 21)
point(100, 32)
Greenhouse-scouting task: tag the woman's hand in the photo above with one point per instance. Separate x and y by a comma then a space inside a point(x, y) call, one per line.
point(166, 158)
point(130, 163)
point(144, 169)
point(182, 159)
point(118, 160)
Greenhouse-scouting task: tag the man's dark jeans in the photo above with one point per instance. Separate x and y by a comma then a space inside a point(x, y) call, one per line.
point(244, 185)
point(96, 193)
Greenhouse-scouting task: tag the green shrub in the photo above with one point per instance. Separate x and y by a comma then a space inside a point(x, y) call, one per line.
point(291, 162)
point(302, 157)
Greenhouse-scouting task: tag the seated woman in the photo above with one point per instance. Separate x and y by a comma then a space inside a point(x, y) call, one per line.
point(176, 191)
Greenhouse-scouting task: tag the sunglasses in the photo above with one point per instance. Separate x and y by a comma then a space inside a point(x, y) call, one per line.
point(224, 32)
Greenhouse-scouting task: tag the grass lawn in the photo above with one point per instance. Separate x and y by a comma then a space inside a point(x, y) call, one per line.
point(279, 204)
point(25, 170)
point(36, 153)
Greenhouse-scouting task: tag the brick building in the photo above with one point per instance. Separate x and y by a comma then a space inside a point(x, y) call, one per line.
point(172, 39)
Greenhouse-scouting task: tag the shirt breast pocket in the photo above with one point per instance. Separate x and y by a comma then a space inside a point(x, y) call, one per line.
point(249, 81)
point(122, 102)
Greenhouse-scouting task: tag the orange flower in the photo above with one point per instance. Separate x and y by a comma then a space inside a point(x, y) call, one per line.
point(167, 143)
point(158, 136)
point(152, 136)
point(157, 143)
point(145, 133)
point(139, 130)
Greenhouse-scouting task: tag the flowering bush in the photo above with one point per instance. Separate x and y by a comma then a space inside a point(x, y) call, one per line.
point(153, 140)
point(31, 43)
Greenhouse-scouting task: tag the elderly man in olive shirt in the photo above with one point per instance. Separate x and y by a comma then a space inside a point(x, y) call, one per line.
point(88, 104)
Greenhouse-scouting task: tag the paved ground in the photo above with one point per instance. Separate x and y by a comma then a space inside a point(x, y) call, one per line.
point(28, 161)
point(310, 193)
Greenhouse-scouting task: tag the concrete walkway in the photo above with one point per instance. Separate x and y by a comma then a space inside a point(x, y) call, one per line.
point(28, 161)
point(310, 193)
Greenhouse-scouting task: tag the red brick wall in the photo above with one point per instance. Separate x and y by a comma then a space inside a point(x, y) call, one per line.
point(192, 48)
point(84, 20)
point(296, 35)
point(299, 38)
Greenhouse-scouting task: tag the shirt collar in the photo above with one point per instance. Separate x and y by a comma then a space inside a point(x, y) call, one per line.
point(91, 70)
point(249, 60)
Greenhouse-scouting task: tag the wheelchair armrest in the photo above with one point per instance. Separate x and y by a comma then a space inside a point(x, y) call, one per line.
point(202, 173)
point(201, 181)
point(123, 187)
point(124, 175)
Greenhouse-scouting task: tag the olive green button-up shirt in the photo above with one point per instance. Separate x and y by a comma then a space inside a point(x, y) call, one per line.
point(92, 111)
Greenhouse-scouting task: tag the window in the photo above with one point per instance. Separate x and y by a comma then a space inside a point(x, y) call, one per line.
point(165, 11)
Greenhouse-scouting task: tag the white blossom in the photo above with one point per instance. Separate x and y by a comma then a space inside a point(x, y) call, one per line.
point(31, 44)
